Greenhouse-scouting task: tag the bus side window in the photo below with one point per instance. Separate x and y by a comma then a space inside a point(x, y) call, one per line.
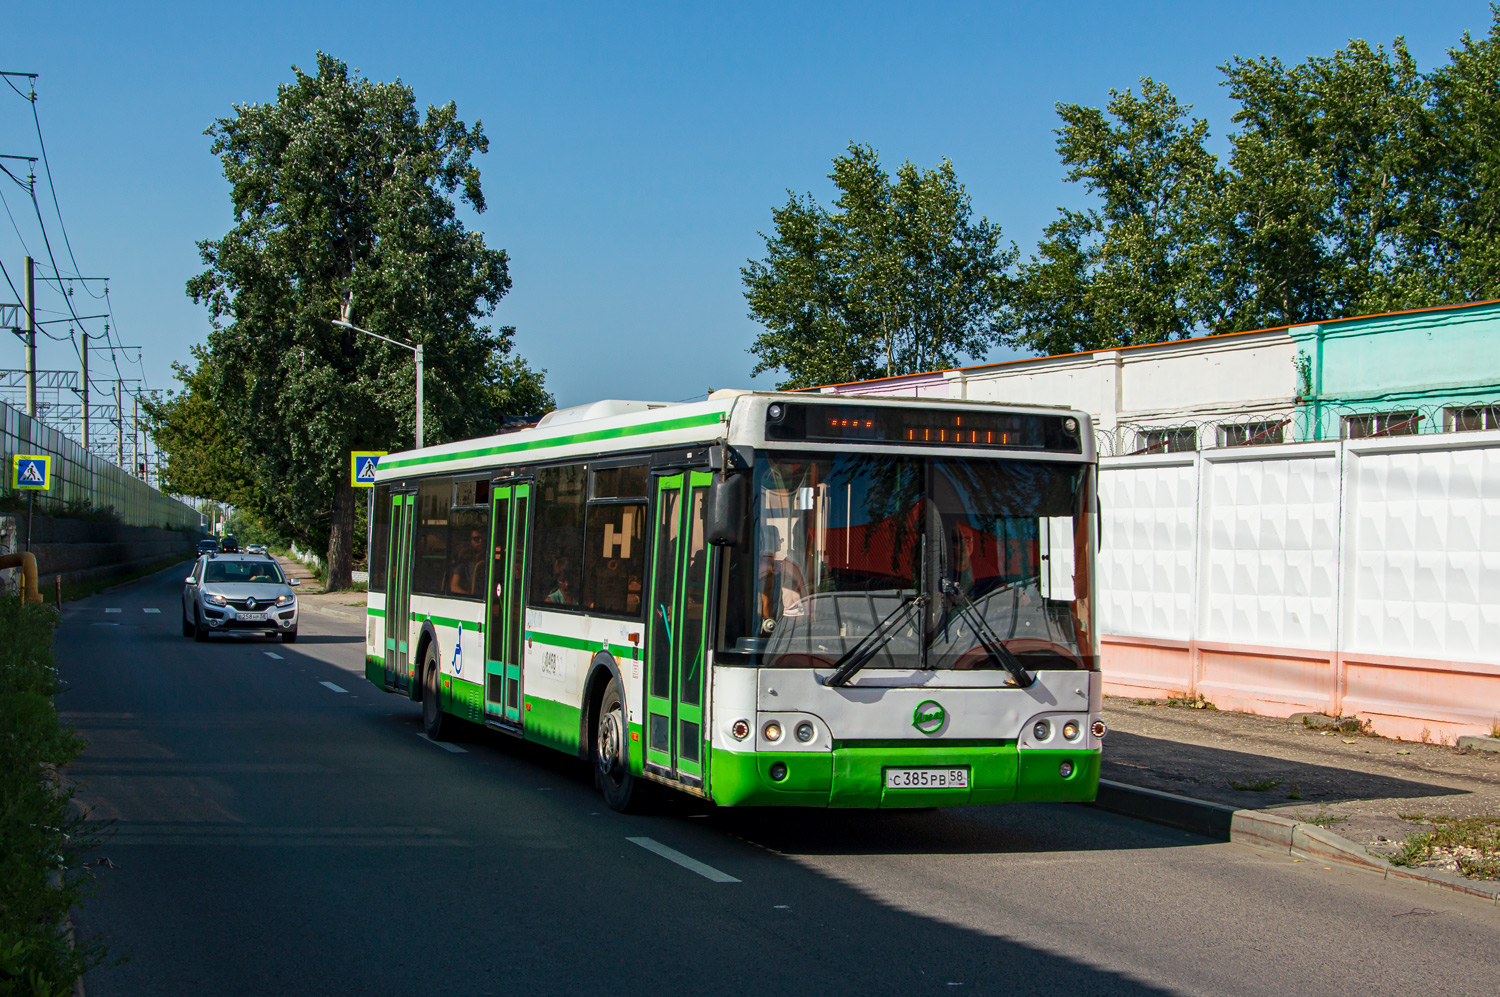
point(380, 539)
point(430, 564)
point(557, 531)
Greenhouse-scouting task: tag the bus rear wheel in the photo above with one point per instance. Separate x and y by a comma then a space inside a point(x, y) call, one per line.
point(436, 724)
point(611, 763)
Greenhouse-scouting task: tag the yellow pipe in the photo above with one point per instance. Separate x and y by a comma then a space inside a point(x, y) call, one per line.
point(26, 561)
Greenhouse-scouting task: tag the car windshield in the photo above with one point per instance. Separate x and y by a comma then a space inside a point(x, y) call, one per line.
point(263, 572)
point(952, 553)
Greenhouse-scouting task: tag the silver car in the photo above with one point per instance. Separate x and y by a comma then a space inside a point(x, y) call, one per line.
point(240, 593)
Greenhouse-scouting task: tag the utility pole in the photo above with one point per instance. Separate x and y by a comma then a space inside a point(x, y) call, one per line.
point(84, 387)
point(119, 427)
point(30, 282)
point(135, 436)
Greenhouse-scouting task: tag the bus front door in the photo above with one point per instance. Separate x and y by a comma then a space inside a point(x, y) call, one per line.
point(675, 635)
point(398, 595)
point(504, 631)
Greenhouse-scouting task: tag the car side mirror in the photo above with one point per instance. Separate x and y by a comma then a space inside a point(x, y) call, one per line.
point(294, 581)
point(189, 580)
point(726, 509)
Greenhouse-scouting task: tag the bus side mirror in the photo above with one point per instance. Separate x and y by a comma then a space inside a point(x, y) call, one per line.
point(726, 509)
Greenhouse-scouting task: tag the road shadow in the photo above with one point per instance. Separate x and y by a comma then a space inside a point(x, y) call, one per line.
point(1014, 828)
point(330, 639)
point(1205, 772)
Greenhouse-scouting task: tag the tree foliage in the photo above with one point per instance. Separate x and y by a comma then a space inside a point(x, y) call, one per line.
point(344, 208)
point(203, 457)
point(1354, 183)
point(1136, 268)
point(896, 277)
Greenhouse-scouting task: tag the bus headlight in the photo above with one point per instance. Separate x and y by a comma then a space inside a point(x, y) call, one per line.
point(1065, 769)
point(740, 729)
point(1042, 730)
point(1070, 730)
point(771, 731)
point(1099, 729)
point(804, 732)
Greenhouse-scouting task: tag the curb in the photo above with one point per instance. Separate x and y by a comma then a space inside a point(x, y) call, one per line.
point(1272, 833)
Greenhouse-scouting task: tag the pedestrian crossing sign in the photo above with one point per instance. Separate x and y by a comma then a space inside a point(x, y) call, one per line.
point(31, 472)
point(362, 467)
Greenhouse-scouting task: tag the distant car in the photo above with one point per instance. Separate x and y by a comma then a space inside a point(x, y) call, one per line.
point(239, 593)
point(208, 546)
point(255, 548)
point(228, 544)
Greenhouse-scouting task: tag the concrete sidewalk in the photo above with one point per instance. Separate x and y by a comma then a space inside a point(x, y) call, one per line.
point(348, 606)
point(1371, 791)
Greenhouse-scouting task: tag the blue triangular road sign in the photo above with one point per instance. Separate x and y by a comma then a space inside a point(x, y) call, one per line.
point(31, 473)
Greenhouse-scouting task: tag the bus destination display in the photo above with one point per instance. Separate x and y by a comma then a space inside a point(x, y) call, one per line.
point(936, 426)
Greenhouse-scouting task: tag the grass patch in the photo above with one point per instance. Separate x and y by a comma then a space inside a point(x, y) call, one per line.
point(1467, 845)
point(1294, 792)
point(1257, 786)
point(1322, 819)
point(93, 586)
point(42, 836)
point(1191, 703)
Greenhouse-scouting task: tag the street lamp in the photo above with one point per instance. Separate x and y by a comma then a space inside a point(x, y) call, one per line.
point(417, 349)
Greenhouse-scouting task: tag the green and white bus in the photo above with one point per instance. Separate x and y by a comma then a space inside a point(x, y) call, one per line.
point(759, 599)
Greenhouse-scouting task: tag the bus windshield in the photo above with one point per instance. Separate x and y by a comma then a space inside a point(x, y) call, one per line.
point(840, 543)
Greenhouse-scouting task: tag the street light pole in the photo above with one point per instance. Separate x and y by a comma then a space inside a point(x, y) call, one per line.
point(416, 349)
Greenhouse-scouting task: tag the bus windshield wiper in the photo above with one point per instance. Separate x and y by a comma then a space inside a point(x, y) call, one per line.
point(870, 644)
point(988, 639)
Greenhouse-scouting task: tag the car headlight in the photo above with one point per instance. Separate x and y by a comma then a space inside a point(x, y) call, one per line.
point(285, 600)
point(213, 598)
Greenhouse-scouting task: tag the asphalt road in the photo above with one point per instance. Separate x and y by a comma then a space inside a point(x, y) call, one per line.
point(281, 827)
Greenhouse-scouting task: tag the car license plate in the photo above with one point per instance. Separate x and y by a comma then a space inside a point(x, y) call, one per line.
point(251, 617)
point(926, 778)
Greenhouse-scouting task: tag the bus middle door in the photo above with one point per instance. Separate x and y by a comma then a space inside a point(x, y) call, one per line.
point(676, 645)
point(504, 625)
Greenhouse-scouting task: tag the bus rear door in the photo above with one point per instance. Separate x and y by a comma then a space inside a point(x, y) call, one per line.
point(398, 594)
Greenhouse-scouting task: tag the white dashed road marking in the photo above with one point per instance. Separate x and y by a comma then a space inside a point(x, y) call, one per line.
point(273, 654)
point(112, 610)
point(335, 688)
point(445, 745)
point(686, 861)
point(151, 609)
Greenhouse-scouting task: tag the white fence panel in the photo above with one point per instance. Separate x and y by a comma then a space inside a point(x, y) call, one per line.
point(1358, 577)
point(1148, 563)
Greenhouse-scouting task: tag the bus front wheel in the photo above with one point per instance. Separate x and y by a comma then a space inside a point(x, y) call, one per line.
point(611, 764)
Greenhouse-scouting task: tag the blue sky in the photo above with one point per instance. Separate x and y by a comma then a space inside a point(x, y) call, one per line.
point(636, 149)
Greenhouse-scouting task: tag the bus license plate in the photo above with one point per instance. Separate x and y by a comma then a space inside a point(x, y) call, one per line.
point(251, 617)
point(926, 778)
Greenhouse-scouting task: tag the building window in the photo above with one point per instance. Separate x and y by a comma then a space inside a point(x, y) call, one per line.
point(1471, 417)
point(1170, 439)
point(1362, 427)
point(1251, 434)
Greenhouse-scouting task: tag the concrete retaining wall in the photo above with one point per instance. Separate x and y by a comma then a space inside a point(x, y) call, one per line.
point(78, 549)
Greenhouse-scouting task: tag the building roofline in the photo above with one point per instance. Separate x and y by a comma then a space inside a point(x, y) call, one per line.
point(1147, 346)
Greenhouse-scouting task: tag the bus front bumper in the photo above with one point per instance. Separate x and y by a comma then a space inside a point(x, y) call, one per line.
point(855, 776)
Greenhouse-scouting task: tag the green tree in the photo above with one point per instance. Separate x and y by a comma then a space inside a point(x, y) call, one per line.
point(1324, 162)
point(1136, 268)
point(896, 278)
point(1452, 228)
point(343, 197)
point(202, 456)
